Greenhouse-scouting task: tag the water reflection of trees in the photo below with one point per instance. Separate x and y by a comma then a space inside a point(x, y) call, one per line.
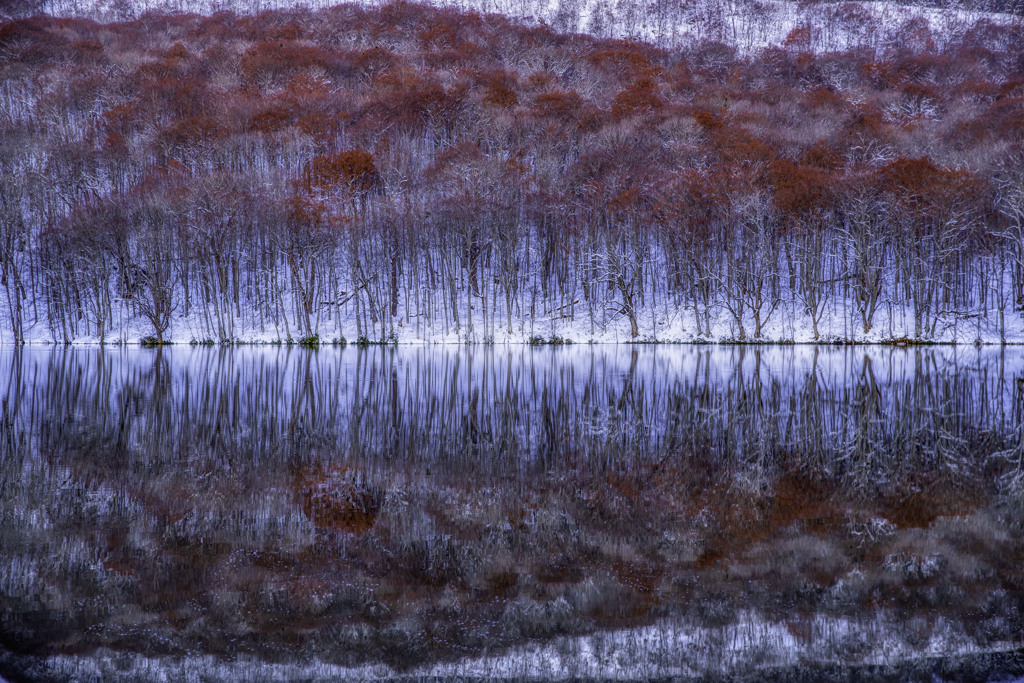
point(449, 499)
point(868, 416)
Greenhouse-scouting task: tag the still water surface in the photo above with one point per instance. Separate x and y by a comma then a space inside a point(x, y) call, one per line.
point(585, 510)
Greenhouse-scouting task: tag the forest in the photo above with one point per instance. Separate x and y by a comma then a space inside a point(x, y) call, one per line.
point(407, 172)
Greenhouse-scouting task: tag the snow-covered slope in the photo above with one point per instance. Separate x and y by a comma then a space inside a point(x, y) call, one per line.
point(747, 25)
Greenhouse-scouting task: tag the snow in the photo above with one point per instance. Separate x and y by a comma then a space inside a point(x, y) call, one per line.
point(662, 323)
point(747, 25)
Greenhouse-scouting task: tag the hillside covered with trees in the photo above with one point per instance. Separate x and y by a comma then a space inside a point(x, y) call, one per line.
point(413, 173)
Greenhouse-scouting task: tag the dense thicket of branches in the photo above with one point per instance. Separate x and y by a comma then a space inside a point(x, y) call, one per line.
point(407, 170)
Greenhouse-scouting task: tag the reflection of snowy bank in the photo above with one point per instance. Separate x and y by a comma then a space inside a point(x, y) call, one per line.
point(813, 648)
point(673, 649)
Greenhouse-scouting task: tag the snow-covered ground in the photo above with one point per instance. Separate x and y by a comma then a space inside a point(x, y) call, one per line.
point(576, 323)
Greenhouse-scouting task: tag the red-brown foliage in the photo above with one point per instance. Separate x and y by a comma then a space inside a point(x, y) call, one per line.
point(801, 193)
point(639, 98)
point(337, 499)
point(822, 156)
point(707, 119)
point(411, 103)
point(600, 120)
point(623, 59)
point(923, 195)
point(323, 127)
point(799, 38)
point(271, 120)
point(192, 130)
point(350, 170)
point(737, 146)
point(499, 91)
point(271, 61)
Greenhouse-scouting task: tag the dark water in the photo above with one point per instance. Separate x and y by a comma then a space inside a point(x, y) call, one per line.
point(472, 511)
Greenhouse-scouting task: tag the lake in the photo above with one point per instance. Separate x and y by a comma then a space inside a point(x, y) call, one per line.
point(448, 511)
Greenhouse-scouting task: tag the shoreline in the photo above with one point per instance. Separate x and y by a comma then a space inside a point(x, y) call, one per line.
point(421, 343)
